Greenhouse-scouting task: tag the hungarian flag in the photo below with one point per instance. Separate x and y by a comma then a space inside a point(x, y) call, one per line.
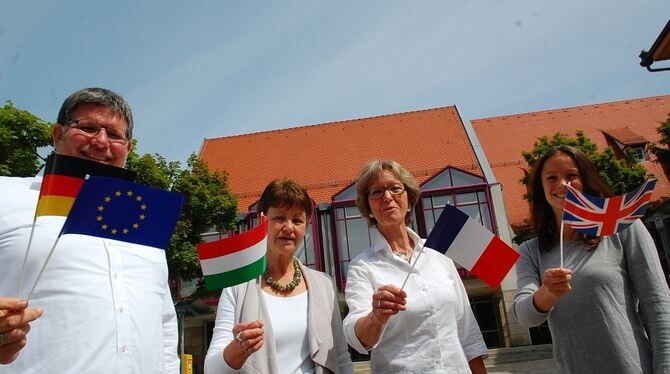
point(117, 209)
point(599, 216)
point(236, 259)
point(472, 246)
point(63, 177)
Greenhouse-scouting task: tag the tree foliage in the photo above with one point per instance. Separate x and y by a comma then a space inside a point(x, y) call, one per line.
point(621, 174)
point(21, 134)
point(208, 205)
point(662, 149)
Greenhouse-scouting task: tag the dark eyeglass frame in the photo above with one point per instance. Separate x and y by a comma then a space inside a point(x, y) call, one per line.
point(94, 129)
point(379, 192)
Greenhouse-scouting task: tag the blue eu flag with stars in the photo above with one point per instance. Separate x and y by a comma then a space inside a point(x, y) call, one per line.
point(117, 209)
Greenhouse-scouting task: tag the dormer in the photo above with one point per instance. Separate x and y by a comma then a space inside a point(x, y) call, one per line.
point(623, 137)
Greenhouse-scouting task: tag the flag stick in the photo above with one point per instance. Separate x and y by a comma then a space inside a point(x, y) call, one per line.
point(259, 289)
point(561, 243)
point(406, 278)
point(560, 234)
point(25, 259)
point(42, 269)
point(413, 264)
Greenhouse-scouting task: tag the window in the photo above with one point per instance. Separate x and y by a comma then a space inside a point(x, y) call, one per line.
point(306, 253)
point(474, 204)
point(353, 237)
point(487, 312)
point(455, 187)
point(639, 153)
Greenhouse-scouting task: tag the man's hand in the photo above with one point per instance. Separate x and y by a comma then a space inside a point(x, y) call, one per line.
point(15, 317)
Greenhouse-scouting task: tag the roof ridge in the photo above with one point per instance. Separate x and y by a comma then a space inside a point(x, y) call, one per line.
point(571, 108)
point(299, 127)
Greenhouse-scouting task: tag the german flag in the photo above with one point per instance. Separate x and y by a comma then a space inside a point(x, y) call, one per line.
point(63, 177)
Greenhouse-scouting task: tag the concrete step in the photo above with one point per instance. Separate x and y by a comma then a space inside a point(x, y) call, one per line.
point(519, 354)
point(505, 360)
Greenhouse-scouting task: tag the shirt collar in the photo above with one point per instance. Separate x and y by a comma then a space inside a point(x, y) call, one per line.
point(379, 242)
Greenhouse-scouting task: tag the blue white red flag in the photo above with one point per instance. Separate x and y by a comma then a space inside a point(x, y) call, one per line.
point(599, 216)
point(472, 246)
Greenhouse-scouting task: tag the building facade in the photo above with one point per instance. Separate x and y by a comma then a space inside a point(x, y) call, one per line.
point(476, 167)
point(435, 145)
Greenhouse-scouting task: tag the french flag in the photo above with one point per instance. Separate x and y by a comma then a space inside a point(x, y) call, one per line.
point(472, 246)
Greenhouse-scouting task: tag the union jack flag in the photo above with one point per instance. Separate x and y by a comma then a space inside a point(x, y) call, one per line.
point(598, 216)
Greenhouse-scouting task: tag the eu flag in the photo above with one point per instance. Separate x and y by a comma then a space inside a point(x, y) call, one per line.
point(121, 210)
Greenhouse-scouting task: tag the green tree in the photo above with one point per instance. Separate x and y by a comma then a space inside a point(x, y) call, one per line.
point(621, 174)
point(662, 149)
point(21, 134)
point(208, 205)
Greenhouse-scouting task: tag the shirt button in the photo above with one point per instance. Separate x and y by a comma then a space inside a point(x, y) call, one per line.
point(122, 310)
point(115, 275)
point(124, 349)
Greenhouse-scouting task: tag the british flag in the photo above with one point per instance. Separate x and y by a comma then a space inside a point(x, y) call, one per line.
point(600, 216)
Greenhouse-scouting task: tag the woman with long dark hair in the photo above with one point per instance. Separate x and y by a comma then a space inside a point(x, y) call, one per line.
point(608, 307)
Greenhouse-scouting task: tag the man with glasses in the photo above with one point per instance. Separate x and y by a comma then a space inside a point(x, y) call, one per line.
point(105, 305)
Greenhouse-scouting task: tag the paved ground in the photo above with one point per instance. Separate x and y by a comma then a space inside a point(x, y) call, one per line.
point(546, 366)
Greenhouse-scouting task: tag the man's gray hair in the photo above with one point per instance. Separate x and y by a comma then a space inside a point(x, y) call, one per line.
point(100, 96)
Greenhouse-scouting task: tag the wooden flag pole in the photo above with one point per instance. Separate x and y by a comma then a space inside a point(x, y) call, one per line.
point(561, 243)
point(560, 234)
point(413, 264)
point(25, 259)
point(46, 261)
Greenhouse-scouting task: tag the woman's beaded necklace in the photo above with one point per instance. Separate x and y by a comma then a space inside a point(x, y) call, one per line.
point(297, 273)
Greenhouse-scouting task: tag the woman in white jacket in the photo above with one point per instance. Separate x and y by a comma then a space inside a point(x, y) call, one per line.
point(289, 321)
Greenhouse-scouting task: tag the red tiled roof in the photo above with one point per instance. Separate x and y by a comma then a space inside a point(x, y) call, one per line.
point(326, 158)
point(503, 138)
point(626, 137)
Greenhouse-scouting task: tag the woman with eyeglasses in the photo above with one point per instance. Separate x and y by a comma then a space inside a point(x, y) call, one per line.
point(289, 320)
point(428, 327)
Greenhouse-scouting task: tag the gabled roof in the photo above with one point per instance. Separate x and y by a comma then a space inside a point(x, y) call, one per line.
point(626, 137)
point(325, 158)
point(503, 138)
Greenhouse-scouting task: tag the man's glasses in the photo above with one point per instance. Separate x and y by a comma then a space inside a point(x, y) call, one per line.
point(92, 129)
point(378, 192)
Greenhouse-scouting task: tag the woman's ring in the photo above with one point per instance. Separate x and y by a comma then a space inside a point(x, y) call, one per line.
point(380, 304)
point(238, 337)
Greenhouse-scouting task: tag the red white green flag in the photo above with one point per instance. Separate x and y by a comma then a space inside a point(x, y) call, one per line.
point(236, 259)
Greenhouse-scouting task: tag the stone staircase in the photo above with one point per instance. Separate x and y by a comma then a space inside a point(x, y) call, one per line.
point(519, 354)
point(503, 357)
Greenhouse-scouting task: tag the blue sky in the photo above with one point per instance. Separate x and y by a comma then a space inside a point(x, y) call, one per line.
point(201, 69)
